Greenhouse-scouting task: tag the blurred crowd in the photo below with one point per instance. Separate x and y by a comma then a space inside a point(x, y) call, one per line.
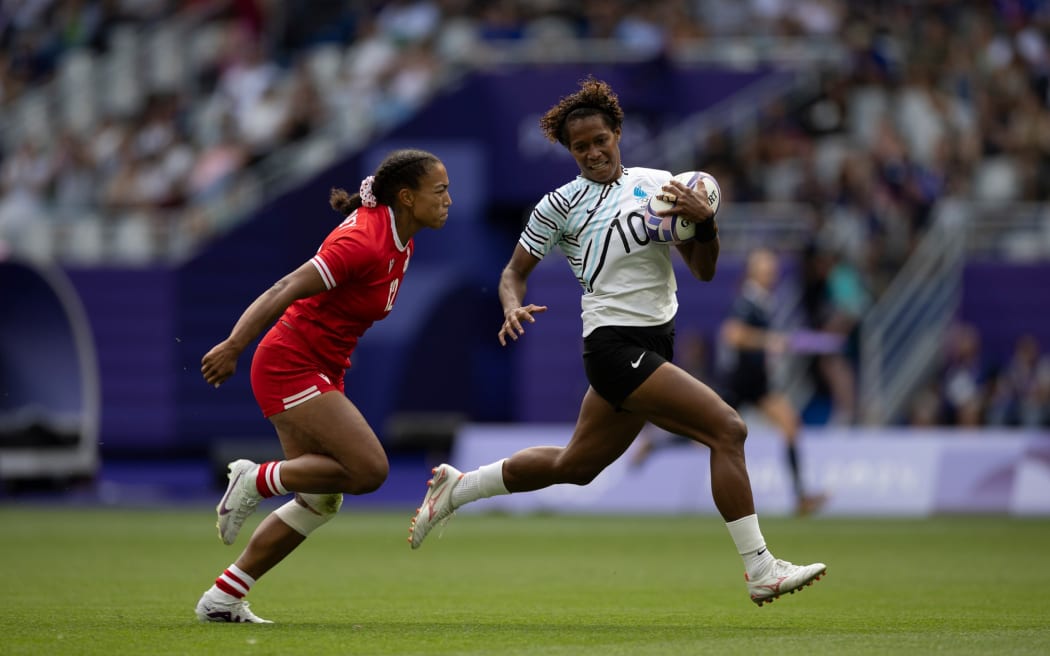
point(971, 391)
point(158, 109)
point(135, 129)
point(937, 99)
point(147, 124)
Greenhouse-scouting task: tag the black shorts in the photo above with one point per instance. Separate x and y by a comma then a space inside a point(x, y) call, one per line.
point(618, 359)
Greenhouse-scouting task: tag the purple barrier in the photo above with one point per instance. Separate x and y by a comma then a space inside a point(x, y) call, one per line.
point(132, 316)
point(1005, 300)
point(865, 472)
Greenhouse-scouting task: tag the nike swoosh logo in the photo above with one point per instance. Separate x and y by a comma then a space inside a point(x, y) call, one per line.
point(223, 508)
point(634, 365)
point(760, 551)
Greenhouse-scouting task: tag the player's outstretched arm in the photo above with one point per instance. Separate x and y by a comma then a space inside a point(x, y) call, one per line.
point(220, 362)
point(512, 286)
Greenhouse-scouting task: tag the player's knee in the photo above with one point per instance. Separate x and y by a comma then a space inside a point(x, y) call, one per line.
point(307, 512)
point(732, 431)
point(366, 473)
point(366, 480)
point(582, 476)
point(578, 473)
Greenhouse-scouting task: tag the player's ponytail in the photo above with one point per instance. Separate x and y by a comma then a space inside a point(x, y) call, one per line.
point(342, 202)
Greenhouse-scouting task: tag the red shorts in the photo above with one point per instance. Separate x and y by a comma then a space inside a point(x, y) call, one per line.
point(285, 374)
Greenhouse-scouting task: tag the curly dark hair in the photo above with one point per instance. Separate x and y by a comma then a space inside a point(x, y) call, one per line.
point(400, 169)
point(595, 97)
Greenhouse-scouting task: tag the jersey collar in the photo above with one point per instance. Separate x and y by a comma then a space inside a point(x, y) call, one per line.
point(618, 181)
point(393, 229)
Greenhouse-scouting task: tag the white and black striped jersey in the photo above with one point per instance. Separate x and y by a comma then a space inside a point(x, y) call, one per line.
point(627, 279)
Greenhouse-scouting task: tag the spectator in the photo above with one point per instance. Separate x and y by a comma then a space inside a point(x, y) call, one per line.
point(24, 179)
point(75, 177)
point(964, 379)
point(1020, 395)
point(216, 168)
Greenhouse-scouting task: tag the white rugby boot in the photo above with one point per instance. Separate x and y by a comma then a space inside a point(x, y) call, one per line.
point(781, 578)
point(239, 502)
point(437, 504)
point(212, 610)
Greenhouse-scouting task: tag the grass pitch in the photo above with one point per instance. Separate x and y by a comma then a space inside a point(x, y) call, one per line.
point(96, 581)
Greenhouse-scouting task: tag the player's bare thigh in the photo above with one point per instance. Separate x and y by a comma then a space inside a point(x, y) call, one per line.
point(602, 434)
point(674, 400)
point(330, 425)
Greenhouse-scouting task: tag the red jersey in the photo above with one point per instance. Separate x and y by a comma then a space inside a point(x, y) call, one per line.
point(362, 263)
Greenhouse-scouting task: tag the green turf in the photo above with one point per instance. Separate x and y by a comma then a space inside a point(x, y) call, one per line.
point(89, 581)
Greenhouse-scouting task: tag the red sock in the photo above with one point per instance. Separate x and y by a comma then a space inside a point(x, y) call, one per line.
point(268, 481)
point(234, 582)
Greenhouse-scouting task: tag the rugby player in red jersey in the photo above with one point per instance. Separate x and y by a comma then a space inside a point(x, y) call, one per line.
point(315, 316)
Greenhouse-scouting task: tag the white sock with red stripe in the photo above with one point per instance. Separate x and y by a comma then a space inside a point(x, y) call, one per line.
point(268, 480)
point(233, 583)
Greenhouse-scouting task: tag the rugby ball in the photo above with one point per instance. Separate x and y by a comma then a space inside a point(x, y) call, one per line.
point(670, 229)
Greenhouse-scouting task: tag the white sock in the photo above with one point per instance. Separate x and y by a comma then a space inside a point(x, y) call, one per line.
point(216, 594)
point(484, 482)
point(750, 545)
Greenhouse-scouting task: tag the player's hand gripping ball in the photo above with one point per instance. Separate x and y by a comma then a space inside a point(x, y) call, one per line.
point(671, 229)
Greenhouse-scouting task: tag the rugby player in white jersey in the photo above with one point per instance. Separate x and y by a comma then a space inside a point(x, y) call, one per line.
point(628, 307)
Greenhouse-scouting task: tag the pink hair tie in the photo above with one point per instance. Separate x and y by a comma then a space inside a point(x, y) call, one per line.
point(368, 198)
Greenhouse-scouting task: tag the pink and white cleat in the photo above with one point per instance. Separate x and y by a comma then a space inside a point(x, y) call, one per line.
point(437, 504)
point(783, 577)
